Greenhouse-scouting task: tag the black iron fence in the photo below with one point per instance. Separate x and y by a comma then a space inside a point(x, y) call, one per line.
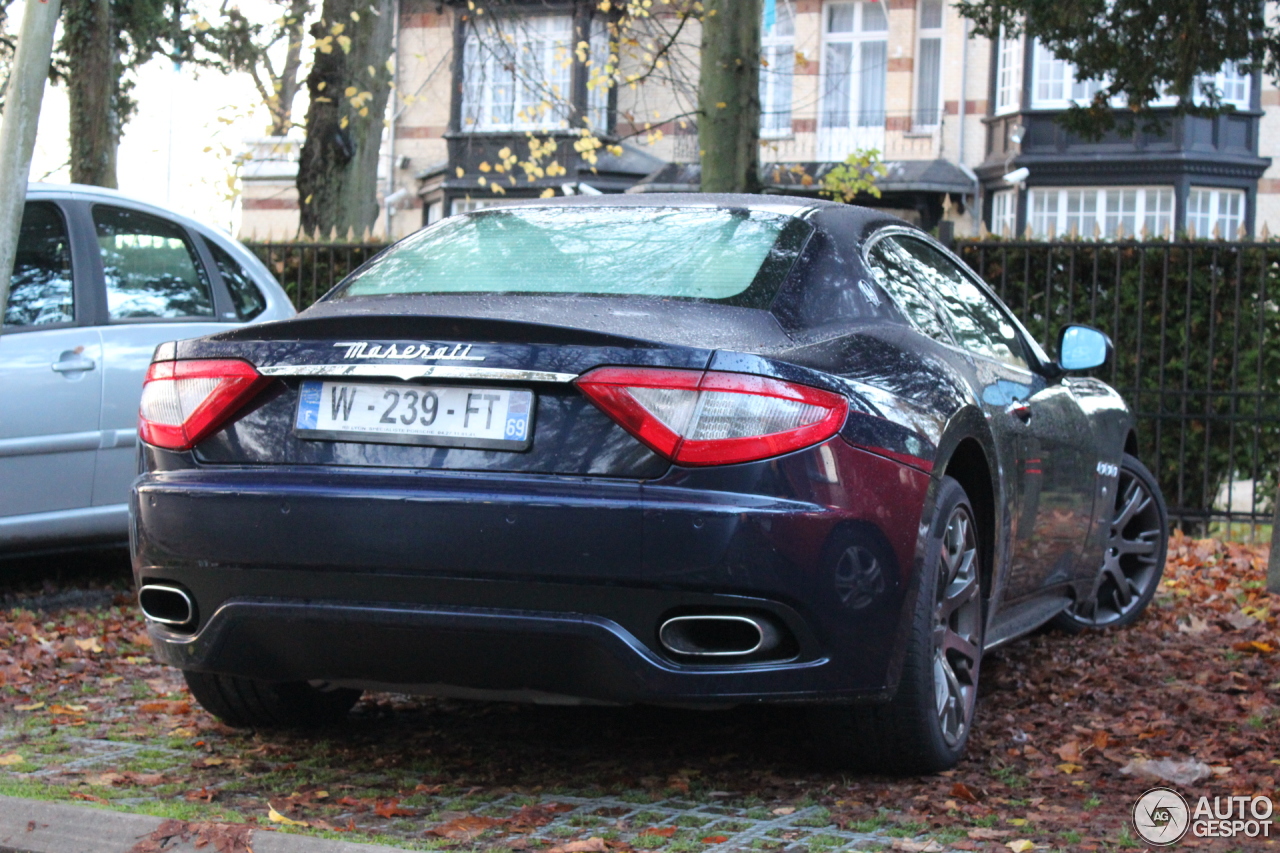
point(309, 270)
point(1196, 327)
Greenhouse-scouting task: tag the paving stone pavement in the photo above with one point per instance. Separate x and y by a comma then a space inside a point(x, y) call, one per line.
point(804, 830)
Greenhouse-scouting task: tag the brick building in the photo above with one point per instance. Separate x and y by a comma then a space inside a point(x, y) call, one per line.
point(950, 113)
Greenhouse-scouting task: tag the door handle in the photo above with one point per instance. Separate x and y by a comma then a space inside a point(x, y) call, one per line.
point(1021, 410)
point(73, 365)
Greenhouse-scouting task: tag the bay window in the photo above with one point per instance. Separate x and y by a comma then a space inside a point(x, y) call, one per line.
point(1109, 212)
point(1004, 213)
point(1208, 209)
point(1008, 74)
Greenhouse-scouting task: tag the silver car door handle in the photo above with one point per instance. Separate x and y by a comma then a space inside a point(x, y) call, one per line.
point(72, 365)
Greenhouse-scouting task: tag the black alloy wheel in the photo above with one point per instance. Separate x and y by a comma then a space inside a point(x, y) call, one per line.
point(957, 627)
point(1133, 562)
point(924, 727)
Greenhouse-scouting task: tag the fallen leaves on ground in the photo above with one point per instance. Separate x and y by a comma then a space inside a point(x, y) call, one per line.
point(1070, 731)
point(465, 828)
point(222, 837)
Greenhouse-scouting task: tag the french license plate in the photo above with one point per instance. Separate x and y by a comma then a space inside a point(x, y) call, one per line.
point(437, 415)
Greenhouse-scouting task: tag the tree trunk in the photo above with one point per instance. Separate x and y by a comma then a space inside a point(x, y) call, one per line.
point(349, 86)
point(92, 81)
point(18, 127)
point(729, 96)
point(286, 86)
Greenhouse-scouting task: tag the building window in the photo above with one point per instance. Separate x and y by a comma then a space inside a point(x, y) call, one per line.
point(1112, 212)
point(776, 73)
point(854, 65)
point(929, 65)
point(517, 74)
point(1004, 213)
point(468, 204)
point(1231, 85)
point(1054, 84)
point(1209, 209)
point(1008, 75)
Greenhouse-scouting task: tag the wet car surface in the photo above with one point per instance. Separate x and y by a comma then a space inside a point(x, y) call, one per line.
point(695, 450)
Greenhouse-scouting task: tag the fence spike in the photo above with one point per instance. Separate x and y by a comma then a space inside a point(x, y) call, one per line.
point(1241, 234)
point(1265, 233)
point(1168, 230)
point(1191, 231)
point(1074, 231)
point(1053, 230)
point(1144, 233)
point(1097, 230)
point(1027, 232)
point(983, 233)
point(351, 233)
point(1216, 233)
point(1119, 230)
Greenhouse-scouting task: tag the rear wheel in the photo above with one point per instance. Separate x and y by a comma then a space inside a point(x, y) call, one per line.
point(248, 703)
point(925, 727)
point(1134, 559)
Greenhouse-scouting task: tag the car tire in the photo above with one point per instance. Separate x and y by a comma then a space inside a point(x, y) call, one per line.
point(249, 703)
point(925, 726)
point(1133, 562)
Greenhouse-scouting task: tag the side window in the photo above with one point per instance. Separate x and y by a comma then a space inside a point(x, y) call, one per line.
point(976, 321)
point(40, 291)
point(150, 268)
point(248, 299)
point(896, 272)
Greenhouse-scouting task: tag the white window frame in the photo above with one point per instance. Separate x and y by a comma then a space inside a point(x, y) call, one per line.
point(1233, 87)
point(777, 73)
point(924, 117)
point(1052, 211)
point(469, 204)
point(1215, 206)
point(859, 39)
point(538, 96)
point(1009, 61)
point(1004, 213)
point(1054, 85)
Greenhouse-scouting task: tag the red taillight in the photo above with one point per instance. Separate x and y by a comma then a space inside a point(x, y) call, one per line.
point(183, 402)
point(712, 418)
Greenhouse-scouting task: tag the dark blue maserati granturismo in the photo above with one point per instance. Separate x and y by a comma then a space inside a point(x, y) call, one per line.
point(693, 450)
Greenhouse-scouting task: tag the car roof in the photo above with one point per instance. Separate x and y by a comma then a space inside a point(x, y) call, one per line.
point(790, 205)
point(86, 192)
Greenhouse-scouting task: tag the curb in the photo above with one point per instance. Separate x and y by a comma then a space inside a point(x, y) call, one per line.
point(36, 826)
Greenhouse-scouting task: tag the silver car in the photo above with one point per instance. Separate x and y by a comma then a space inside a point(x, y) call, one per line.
point(100, 279)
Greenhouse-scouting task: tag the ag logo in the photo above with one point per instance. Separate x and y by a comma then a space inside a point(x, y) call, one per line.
point(1161, 816)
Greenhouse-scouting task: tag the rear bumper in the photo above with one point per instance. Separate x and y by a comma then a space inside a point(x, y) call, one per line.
point(536, 584)
point(506, 652)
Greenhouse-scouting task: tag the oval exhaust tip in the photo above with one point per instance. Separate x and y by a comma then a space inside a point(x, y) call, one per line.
point(718, 635)
point(168, 605)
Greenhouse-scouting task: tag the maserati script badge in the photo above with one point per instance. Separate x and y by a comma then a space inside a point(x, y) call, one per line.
point(426, 352)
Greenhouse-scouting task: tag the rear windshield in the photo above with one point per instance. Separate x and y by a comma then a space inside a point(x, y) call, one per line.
point(729, 255)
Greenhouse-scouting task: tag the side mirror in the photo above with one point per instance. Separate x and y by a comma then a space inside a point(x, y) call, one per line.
point(1082, 348)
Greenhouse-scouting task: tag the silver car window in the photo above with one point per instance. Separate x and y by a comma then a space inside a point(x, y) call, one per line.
point(151, 268)
point(40, 291)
